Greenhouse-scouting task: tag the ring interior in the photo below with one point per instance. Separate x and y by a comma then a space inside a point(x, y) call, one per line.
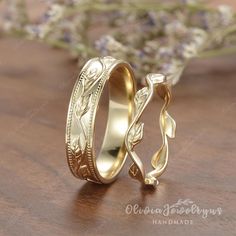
point(121, 91)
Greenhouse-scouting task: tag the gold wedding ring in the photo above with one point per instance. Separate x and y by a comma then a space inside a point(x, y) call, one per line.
point(155, 83)
point(80, 128)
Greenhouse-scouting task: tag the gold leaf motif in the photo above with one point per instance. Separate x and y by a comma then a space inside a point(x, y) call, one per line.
point(95, 71)
point(84, 171)
point(82, 106)
point(136, 134)
point(92, 72)
point(159, 156)
point(140, 98)
point(135, 172)
point(170, 125)
point(92, 76)
point(79, 168)
point(89, 85)
point(79, 143)
point(76, 159)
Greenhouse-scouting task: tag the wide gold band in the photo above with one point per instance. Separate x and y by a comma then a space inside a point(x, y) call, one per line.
point(155, 83)
point(82, 111)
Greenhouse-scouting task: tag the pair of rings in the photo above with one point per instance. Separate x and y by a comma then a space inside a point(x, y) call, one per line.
point(124, 129)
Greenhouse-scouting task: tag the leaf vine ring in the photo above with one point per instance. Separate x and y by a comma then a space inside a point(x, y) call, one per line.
point(158, 83)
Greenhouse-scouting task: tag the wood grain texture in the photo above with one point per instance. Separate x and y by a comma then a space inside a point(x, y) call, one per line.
point(38, 194)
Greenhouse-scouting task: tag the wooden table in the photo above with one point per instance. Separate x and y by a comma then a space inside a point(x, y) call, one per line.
point(38, 194)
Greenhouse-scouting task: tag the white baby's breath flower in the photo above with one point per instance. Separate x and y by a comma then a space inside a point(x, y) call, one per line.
point(226, 14)
point(107, 45)
point(190, 50)
point(150, 39)
point(37, 31)
point(165, 52)
point(175, 28)
point(150, 46)
point(172, 71)
point(199, 37)
point(55, 13)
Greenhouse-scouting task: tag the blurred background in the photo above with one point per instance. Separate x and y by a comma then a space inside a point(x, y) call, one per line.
point(151, 35)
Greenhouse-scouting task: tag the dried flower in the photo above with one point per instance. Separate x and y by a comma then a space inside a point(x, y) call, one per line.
point(226, 15)
point(107, 45)
point(152, 37)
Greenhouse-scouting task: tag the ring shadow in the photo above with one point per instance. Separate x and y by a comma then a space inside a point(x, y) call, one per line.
point(89, 205)
point(87, 202)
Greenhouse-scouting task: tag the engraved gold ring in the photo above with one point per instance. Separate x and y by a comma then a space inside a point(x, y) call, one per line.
point(155, 83)
point(80, 128)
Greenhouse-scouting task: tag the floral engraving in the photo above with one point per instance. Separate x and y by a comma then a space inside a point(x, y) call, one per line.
point(140, 98)
point(136, 134)
point(88, 82)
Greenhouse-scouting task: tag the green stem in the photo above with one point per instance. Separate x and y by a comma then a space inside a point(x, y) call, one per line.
point(133, 7)
point(56, 44)
point(231, 29)
point(218, 52)
point(203, 54)
point(63, 45)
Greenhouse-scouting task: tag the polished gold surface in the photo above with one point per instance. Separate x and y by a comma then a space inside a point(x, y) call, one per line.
point(155, 83)
point(80, 129)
